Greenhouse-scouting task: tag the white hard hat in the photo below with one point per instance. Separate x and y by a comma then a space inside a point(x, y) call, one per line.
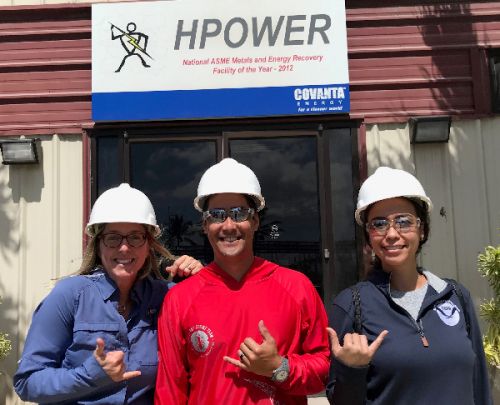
point(229, 176)
point(389, 183)
point(122, 204)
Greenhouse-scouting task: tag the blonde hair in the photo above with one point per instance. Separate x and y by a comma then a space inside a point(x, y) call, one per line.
point(91, 259)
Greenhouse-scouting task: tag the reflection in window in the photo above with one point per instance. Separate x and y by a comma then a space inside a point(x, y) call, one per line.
point(290, 226)
point(169, 172)
point(342, 197)
point(494, 62)
point(107, 163)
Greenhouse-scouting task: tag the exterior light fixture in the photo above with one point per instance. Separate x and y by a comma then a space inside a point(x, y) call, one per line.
point(19, 151)
point(430, 129)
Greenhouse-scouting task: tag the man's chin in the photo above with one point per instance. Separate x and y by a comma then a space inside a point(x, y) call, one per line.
point(230, 252)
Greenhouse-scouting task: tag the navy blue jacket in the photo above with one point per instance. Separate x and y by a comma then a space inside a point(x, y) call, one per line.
point(451, 370)
point(57, 364)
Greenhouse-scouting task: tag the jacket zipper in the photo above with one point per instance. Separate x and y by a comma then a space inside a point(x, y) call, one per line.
point(419, 326)
point(420, 329)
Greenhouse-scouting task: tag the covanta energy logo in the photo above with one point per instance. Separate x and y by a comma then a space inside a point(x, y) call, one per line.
point(320, 99)
point(133, 42)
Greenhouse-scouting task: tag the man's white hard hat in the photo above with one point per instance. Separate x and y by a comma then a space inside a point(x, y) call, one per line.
point(122, 204)
point(229, 176)
point(389, 183)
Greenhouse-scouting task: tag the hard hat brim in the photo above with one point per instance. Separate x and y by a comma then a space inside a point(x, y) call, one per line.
point(90, 228)
point(199, 201)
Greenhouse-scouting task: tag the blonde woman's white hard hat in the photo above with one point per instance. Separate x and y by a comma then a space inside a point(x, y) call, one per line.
point(388, 183)
point(229, 176)
point(122, 204)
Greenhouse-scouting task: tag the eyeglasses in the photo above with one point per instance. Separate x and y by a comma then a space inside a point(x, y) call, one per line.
point(219, 215)
point(113, 240)
point(402, 223)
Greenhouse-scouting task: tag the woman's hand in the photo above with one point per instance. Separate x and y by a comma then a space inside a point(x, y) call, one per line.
point(356, 352)
point(112, 363)
point(184, 266)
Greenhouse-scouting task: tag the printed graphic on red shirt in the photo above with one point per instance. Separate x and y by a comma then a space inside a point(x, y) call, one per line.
point(201, 338)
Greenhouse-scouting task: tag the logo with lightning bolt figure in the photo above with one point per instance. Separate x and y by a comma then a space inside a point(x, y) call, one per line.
point(133, 42)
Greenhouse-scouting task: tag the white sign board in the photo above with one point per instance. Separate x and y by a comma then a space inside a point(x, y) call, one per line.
point(190, 59)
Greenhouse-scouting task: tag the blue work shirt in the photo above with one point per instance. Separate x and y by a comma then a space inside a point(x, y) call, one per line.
point(58, 365)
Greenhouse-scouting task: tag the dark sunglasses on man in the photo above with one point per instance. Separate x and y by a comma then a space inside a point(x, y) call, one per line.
point(219, 215)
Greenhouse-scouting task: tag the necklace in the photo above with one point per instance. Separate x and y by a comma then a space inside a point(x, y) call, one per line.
point(122, 309)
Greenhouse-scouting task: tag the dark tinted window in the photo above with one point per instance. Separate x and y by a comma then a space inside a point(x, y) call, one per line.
point(290, 232)
point(169, 172)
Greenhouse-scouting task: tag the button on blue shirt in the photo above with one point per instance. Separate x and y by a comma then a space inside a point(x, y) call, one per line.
point(58, 365)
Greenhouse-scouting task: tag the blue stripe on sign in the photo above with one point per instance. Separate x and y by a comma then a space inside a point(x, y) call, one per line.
point(219, 103)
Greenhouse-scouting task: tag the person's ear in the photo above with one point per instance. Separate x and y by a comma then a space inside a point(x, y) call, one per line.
point(204, 226)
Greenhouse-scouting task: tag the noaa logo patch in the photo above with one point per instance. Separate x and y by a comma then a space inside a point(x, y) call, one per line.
point(448, 312)
point(201, 339)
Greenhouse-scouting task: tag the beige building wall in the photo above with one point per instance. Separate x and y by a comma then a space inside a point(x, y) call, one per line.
point(461, 178)
point(40, 238)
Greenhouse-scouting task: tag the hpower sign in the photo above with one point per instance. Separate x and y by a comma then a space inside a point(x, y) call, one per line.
point(187, 59)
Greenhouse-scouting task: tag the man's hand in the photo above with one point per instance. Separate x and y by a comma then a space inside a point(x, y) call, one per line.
point(184, 266)
point(112, 363)
point(260, 359)
point(355, 352)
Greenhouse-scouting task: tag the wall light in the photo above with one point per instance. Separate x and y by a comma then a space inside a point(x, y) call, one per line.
point(18, 151)
point(430, 129)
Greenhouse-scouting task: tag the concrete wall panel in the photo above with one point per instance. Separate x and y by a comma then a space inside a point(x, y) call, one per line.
point(40, 211)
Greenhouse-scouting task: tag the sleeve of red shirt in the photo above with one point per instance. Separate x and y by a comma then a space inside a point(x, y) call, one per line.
point(172, 379)
point(309, 369)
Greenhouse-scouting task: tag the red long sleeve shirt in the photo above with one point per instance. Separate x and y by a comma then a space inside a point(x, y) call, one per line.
point(207, 317)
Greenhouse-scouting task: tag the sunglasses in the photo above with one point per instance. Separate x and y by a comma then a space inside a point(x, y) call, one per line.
point(113, 240)
point(219, 215)
point(402, 223)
